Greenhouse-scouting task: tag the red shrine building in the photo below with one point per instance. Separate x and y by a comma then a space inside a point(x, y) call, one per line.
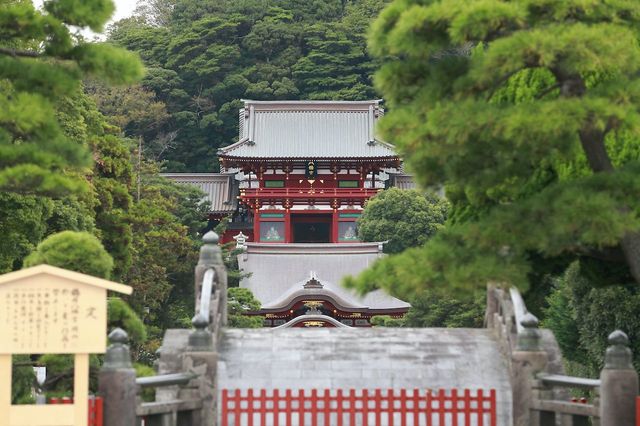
point(294, 186)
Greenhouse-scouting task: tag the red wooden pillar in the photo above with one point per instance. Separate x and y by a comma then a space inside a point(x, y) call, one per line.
point(256, 224)
point(334, 226)
point(288, 234)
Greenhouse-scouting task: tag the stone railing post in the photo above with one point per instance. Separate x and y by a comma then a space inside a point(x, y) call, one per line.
point(493, 306)
point(117, 382)
point(527, 361)
point(618, 383)
point(211, 257)
point(201, 359)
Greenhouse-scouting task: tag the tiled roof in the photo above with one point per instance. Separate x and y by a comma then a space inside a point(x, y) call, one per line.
point(345, 298)
point(274, 268)
point(404, 182)
point(309, 129)
point(218, 187)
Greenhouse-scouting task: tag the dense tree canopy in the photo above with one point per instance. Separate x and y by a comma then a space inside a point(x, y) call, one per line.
point(524, 110)
point(406, 219)
point(69, 164)
point(41, 61)
point(204, 56)
point(402, 218)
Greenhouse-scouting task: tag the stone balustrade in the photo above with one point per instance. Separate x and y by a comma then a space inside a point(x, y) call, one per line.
point(540, 389)
point(185, 384)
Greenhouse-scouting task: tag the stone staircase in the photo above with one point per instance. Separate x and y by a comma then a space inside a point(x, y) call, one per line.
point(351, 358)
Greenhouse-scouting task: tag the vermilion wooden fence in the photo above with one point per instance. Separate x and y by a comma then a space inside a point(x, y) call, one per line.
point(95, 411)
point(638, 411)
point(95, 408)
point(368, 408)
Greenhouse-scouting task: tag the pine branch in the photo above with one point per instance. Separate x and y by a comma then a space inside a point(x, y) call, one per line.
point(498, 84)
point(612, 123)
point(21, 53)
point(548, 90)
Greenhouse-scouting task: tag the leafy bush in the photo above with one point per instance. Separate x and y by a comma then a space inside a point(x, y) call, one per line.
point(403, 218)
point(430, 309)
point(22, 380)
point(77, 251)
point(241, 300)
point(582, 313)
point(147, 394)
point(121, 315)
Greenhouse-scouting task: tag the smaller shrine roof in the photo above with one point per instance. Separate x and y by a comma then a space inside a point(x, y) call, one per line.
point(272, 268)
point(309, 129)
point(219, 188)
point(314, 287)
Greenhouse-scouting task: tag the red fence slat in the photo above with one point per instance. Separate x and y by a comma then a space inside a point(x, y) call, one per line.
point(448, 407)
point(390, 406)
point(339, 401)
point(95, 408)
point(493, 416)
point(429, 410)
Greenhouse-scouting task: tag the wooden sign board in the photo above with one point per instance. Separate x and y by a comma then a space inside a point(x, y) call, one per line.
point(48, 310)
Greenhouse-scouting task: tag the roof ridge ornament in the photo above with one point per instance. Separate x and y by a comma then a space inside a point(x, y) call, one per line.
point(313, 282)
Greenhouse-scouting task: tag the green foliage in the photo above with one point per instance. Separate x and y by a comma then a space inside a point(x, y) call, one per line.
point(516, 108)
point(41, 62)
point(403, 218)
point(204, 56)
point(77, 251)
point(387, 321)
point(431, 309)
point(23, 379)
point(241, 300)
point(60, 374)
point(23, 225)
point(121, 315)
point(164, 250)
point(148, 394)
point(582, 313)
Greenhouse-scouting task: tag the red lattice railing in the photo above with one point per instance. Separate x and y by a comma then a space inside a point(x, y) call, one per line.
point(375, 408)
point(95, 408)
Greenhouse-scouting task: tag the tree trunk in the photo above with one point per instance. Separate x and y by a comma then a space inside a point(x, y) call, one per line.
point(592, 140)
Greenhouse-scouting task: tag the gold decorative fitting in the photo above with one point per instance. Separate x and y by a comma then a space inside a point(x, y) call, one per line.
point(313, 324)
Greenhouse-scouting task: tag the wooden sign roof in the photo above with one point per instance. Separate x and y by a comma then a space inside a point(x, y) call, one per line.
point(66, 274)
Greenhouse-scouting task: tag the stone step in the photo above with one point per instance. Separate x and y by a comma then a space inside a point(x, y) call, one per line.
point(299, 358)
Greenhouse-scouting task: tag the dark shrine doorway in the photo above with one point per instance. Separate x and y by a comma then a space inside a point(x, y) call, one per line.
point(311, 228)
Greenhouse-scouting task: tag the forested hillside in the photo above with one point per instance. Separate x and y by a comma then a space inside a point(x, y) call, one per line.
point(84, 132)
point(202, 57)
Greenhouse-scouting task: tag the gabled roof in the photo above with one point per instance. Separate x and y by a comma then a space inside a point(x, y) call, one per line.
point(341, 296)
point(309, 129)
point(12, 277)
point(219, 188)
point(272, 268)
